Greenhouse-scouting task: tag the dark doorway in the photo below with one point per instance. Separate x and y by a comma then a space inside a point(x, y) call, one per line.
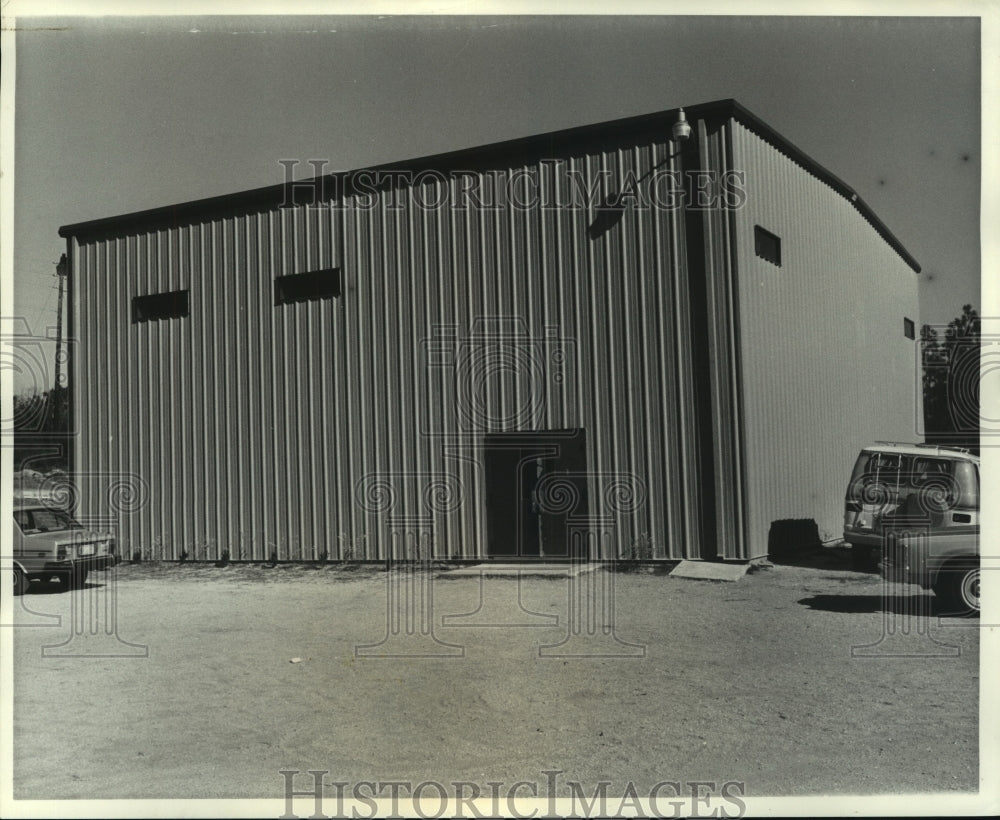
point(536, 489)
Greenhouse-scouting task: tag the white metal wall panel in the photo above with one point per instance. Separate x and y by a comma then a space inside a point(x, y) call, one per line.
point(825, 366)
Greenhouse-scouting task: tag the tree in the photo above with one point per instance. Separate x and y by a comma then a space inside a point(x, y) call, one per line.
point(951, 381)
point(41, 425)
point(46, 412)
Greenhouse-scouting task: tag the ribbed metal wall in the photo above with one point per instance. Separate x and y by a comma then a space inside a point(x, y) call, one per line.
point(325, 427)
point(335, 427)
point(825, 366)
point(721, 251)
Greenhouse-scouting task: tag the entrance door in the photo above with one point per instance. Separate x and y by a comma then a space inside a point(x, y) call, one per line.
point(535, 488)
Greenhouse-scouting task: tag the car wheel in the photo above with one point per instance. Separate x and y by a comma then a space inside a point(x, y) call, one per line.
point(958, 588)
point(20, 581)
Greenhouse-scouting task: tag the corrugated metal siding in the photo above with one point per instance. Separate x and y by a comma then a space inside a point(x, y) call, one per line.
point(722, 331)
point(825, 366)
point(321, 428)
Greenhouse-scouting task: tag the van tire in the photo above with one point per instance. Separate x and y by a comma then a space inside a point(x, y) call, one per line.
point(20, 581)
point(958, 588)
point(75, 579)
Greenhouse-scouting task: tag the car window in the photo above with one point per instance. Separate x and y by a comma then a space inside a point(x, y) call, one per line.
point(43, 520)
point(26, 521)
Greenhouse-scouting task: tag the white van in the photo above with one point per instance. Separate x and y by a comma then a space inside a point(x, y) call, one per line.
point(909, 488)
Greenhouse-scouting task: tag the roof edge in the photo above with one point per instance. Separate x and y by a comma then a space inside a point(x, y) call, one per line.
point(274, 195)
point(793, 152)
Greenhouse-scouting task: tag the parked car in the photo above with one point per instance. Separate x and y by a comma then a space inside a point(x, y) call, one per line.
point(946, 562)
point(50, 543)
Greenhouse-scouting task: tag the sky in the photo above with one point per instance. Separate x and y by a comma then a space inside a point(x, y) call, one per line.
point(120, 114)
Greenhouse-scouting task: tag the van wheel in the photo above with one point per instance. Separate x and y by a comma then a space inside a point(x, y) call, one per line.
point(20, 581)
point(958, 589)
point(75, 579)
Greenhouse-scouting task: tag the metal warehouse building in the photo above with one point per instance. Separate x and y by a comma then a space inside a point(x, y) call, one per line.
point(606, 341)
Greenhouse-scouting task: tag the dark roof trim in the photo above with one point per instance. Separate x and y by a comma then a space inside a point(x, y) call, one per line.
point(767, 133)
point(526, 148)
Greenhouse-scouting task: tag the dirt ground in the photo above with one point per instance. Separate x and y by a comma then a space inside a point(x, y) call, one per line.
point(752, 681)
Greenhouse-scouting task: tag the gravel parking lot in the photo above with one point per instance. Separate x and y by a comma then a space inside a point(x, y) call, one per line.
point(752, 681)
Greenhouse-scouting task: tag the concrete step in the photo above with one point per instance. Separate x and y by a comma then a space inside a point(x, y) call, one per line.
point(710, 570)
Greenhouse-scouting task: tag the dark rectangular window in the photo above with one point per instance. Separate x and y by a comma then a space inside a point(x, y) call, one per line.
point(300, 287)
point(766, 245)
point(171, 305)
point(909, 330)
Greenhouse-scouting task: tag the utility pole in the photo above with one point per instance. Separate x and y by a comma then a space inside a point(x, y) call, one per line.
point(56, 398)
point(62, 269)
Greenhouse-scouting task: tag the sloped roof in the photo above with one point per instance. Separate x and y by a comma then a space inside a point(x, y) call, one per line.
point(519, 150)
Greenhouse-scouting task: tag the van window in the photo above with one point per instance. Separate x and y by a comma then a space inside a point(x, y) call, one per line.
point(882, 468)
point(959, 480)
point(967, 481)
point(927, 469)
